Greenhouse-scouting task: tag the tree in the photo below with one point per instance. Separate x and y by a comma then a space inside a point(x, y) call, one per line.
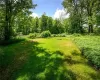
point(66, 25)
point(97, 12)
point(23, 23)
point(82, 12)
point(75, 10)
point(50, 23)
point(11, 9)
point(1, 19)
point(57, 27)
point(89, 7)
point(43, 25)
point(36, 25)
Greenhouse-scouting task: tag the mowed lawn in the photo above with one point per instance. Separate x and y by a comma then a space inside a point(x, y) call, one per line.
point(45, 59)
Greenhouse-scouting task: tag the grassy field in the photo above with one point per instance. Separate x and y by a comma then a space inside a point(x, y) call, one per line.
point(45, 59)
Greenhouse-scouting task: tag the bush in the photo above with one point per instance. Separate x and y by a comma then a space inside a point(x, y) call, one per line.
point(32, 35)
point(59, 35)
point(54, 35)
point(97, 31)
point(45, 34)
point(63, 35)
point(76, 34)
point(92, 34)
point(93, 56)
point(90, 49)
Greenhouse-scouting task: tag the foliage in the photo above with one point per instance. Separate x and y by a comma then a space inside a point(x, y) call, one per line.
point(76, 34)
point(59, 35)
point(32, 35)
point(66, 24)
point(43, 24)
point(15, 17)
point(57, 27)
point(97, 30)
point(50, 23)
point(90, 48)
point(23, 23)
point(35, 25)
point(82, 12)
point(10, 10)
point(75, 20)
point(45, 34)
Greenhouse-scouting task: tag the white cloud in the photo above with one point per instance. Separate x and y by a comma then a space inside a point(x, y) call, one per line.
point(34, 15)
point(60, 14)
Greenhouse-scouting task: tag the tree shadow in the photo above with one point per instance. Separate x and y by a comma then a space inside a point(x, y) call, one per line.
point(27, 61)
point(75, 58)
point(84, 61)
point(11, 41)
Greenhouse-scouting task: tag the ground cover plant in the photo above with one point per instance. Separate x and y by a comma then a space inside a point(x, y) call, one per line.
point(90, 48)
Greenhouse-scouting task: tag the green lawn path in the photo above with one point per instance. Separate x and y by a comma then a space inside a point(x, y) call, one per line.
point(46, 59)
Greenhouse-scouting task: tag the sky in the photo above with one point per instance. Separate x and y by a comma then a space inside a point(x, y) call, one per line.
point(52, 8)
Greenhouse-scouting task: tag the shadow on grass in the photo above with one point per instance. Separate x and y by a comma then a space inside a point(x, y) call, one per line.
point(82, 61)
point(11, 41)
point(27, 61)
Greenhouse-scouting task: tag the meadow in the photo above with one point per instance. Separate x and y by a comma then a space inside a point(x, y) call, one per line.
point(54, 58)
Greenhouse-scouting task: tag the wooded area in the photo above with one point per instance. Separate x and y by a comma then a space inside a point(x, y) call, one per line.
point(15, 18)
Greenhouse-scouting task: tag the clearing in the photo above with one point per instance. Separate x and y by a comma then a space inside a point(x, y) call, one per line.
point(45, 59)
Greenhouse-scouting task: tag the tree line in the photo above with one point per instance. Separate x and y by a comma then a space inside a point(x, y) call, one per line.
point(41, 24)
point(83, 12)
point(15, 18)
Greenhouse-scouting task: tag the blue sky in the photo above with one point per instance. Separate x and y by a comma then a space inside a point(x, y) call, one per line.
point(48, 6)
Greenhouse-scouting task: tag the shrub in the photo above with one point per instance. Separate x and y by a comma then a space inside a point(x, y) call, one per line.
point(32, 35)
point(59, 35)
point(45, 34)
point(97, 31)
point(92, 34)
point(63, 35)
point(54, 35)
point(90, 49)
point(76, 34)
point(93, 56)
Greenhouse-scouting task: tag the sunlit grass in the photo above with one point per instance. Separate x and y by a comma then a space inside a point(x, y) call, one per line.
point(75, 62)
point(64, 45)
point(46, 59)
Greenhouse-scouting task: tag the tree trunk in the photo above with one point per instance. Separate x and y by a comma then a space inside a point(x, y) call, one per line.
point(7, 28)
point(90, 30)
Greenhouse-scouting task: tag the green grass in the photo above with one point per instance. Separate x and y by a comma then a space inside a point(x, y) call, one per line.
point(45, 59)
